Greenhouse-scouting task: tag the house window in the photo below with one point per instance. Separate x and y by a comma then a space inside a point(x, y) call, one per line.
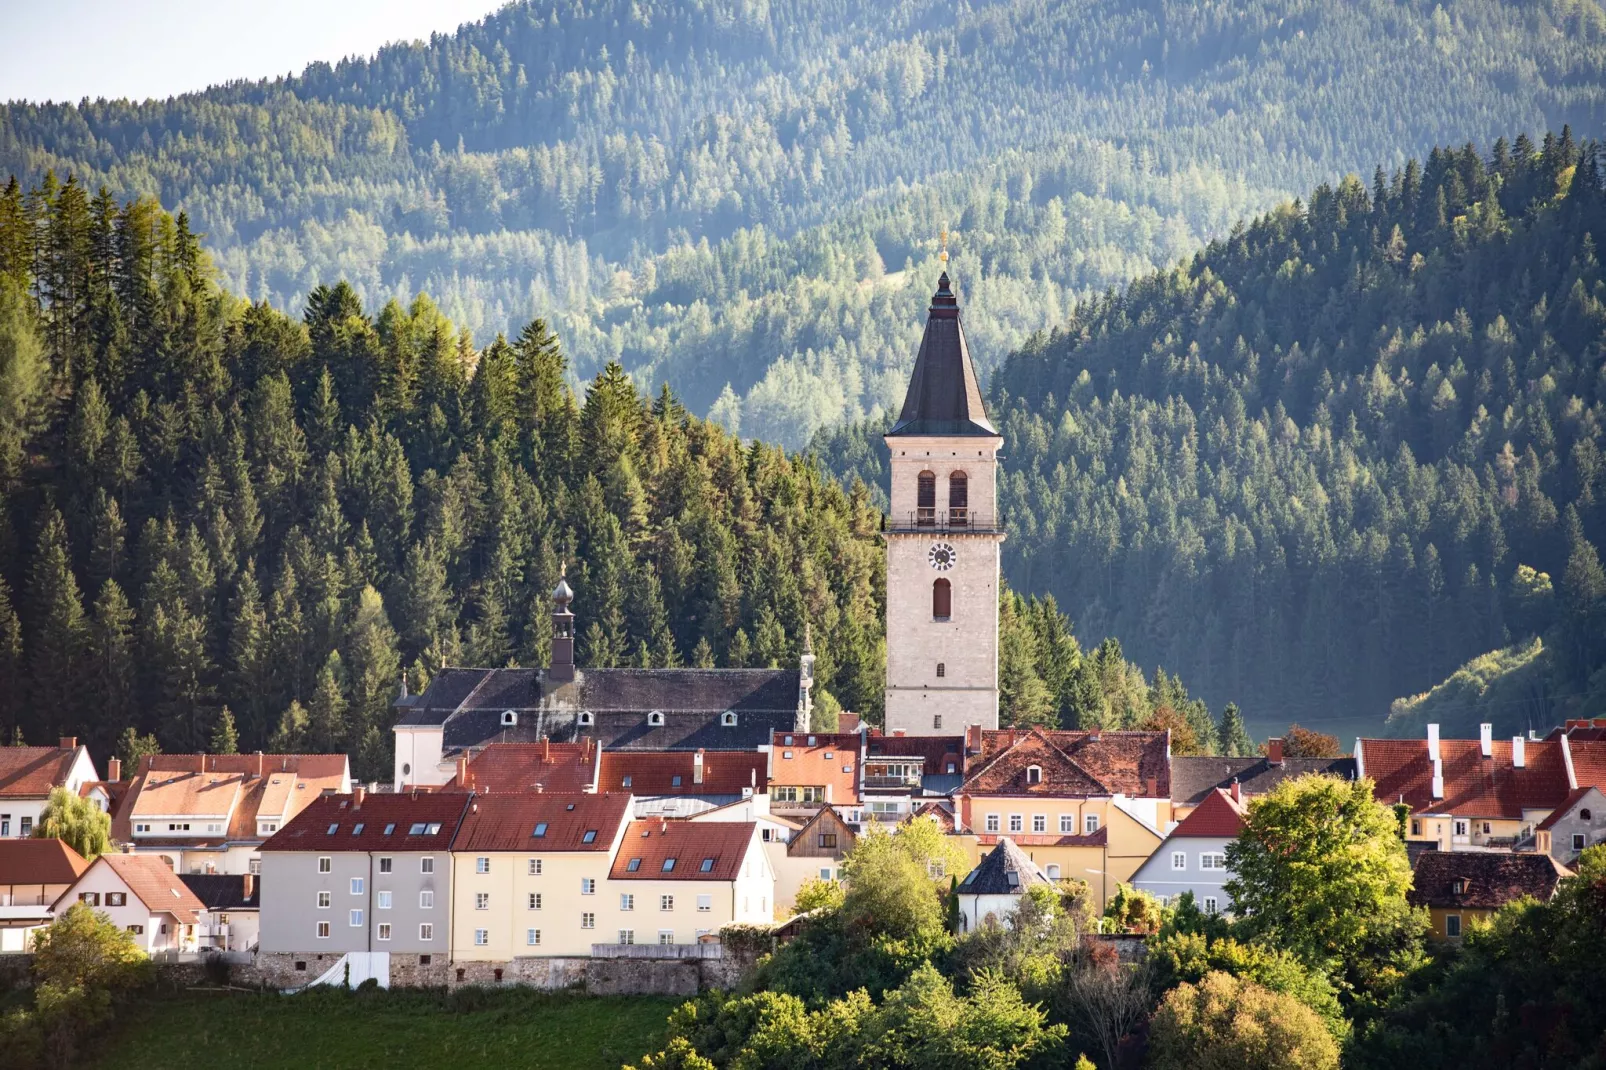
point(482, 900)
point(1578, 841)
point(942, 599)
point(666, 902)
point(992, 822)
point(426, 900)
point(627, 901)
point(535, 867)
point(356, 919)
point(384, 865)
point(1460, 827)
point(323, 900)
point(942, 670)
point(426, 865)
point(116, 899)
point(825, 875)
point(384, 930)
point(1452, 926)
point(1017, 823)
point(137, 930)
point(666, 936)
point(255, 867)
point(426, 931)
point(1416, 826)
point(936, 722)
point(828, 840)
point(382, 900)
point(1212, 860)
point(323, 930)
point(1487, 828)
point(356, 886)
point(1039, 822)
point(5, 826)
point(627, 936)
point(324, 864)
point(588, 920)
point(936, 868)
point(1090, 824)
point(1179, 860)
point(482, 937)
point(1052, 872)
point(532, 937)
point(1034, 774)
point(1067, 824)
point(482, 865)
point(1584, 814)
point(705, 903)
point(958, 499)
point(588, 886)
point(1210, 904)
point(535, 901)
point(89, 898)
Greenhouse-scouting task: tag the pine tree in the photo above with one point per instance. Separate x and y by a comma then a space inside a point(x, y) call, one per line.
point(110, 662)
point(1235, 740)
point(132, 748)
point(56, 646)
point(225, 740)
point(11, 663)
point(373, 663)
point(326, 711)
point(289, 736)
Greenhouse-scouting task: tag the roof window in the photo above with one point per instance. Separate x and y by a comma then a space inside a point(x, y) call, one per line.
point(391, 827)
point(585, 718)
point(1034, 774)
point(674, 781)
point(334, 829)
point(589, 837)
point(417, 829)
point(728, 718)
point(635, 864)
point(540, 830)
point(669, 865)
point(708, 865)
point(626, 781)
point(356, 830)
point(509, 718)
point(655, 718)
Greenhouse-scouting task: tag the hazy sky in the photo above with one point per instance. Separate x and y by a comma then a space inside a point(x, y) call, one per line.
point(71, 49)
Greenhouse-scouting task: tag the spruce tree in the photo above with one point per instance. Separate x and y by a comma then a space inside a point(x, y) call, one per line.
point(1234, 736)
point(327, 725)
point(110, 662)
point(57, 636)
point(225, 740)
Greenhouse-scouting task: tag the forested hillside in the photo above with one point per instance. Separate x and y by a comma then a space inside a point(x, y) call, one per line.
point(734, 193)
point(208, 506)
point(1338, 453)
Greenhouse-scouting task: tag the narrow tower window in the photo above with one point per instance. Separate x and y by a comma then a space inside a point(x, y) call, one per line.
point(958, 499)
point(926, 500)
point(942, 600)
point(942, 670)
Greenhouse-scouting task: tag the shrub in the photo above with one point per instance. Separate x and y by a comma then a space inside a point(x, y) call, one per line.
point(1224, 1023)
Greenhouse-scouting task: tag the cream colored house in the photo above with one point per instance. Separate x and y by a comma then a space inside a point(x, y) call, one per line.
point(675, 882)
point(530, 875)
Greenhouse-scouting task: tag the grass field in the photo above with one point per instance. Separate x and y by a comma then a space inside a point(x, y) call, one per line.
point(391, 1030)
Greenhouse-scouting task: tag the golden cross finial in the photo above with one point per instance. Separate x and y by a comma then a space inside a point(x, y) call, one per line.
point(943, 236)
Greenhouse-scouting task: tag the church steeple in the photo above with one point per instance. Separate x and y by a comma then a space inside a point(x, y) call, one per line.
point(944, 397)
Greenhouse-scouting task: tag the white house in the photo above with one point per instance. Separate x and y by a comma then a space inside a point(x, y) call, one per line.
point(991, 891)
point(1193, 858)
point(142, 894)
point(33, 875)
point(233, 901)
point(28, 773)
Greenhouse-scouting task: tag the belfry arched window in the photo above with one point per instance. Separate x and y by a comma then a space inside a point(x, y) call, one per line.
point(958, 499)
point(926, 499)
point(942, 599)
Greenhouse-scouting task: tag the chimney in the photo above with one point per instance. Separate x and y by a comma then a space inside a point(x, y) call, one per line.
point(539, 788)
point(1438, 779)
point(1486, 740)
point(250, 884)
point(973, 738)
point(261, 765)
point(697, 767)
point(358, 794)
point(69, 742)
point(114, 769)
point(1237, 791)
point(561, 664)
point(1274, 751)
point(1519, 752)
point(462, 774)
point(1433, 742)
point(897, 732)
point(546, 749)
point(1151, 787)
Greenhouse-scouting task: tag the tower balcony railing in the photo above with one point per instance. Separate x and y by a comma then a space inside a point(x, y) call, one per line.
point(956, 519)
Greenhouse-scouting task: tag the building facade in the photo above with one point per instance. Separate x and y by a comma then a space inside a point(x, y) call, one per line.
point(143, 897)
point(1193, 858)
point(27, 774)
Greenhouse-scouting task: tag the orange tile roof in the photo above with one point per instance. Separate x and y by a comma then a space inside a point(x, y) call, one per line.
point(1134, 764)
point(1474, 786)
point(154, 883)
point(1589, 761)
point(382, 821)
point(27, 771)
point(1217, 817)
point(944, 816)
point(273, 787)
point(648, 845)
point(509, 822)
point(725, 772)
point(39, 861)
point(561, 767)
point(832, 760)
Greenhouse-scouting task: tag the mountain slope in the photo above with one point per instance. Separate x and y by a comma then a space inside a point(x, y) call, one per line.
point(568, 160)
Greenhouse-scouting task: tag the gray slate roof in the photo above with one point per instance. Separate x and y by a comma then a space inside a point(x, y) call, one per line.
point(1005, 871)
point(469, 704)
point(1194, 776)
point(944, 396)
point(223, 891)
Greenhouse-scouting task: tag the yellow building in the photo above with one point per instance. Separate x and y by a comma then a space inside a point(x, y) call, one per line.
point(1461, 888)
point(674, 882)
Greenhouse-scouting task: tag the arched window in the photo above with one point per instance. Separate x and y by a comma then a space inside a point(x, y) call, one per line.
point(586, 718)
point(1584, 813)
point(655, 718)
point(728, 719)
point(926, 500)
point(942, 600)
point(958, 499)
point(942, 670)
point(509, 718)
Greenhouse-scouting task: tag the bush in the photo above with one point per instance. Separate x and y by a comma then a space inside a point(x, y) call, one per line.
point(1224, 1023)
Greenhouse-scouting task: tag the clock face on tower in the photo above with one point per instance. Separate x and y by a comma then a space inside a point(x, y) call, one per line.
point(942, 556)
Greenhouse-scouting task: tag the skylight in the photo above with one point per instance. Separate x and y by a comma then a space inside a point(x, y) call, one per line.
point(356, 830)
point(391, 827)
point(334, 829)
point(589, 837)
point(635, 864)
point(540, 829)
point(417, 829)
point(669, 865)
point(708, 865)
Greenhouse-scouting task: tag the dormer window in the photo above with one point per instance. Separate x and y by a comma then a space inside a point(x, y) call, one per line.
point(1034, 774)
point(655, 718)
point(728, 719)
point(1461, 885)
point(509, 718)
point(586, 719)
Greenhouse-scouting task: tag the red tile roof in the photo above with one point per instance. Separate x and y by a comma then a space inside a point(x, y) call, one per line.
point(562, 767)
point(382, 821)
point(1491, 878)
point(273, 786)
point(27, 771)
point(832, 760)
point(725, 772)
point(153, 882)
point(1589, 761)
point(1217, 817)
point(1577, 796)
point(1474, 786)
point(508, 822)
point(944, 816)
point(1134, 764)
point(36, 861)
point(649, 844)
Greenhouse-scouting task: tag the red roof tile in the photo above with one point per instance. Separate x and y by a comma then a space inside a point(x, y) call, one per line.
point(508, 822)
point(273, 786)
point(153, 882)
point(1218, 816)
point(382, 821)
point(1483, 880)
point(37, 861)
point(1474, 786)
point(1589, 761)
point(944, 816)
point(27, 771)
point(832, 760)
point(561, 767)
point(725, 772)
point(1135, 764)
point(648, 845)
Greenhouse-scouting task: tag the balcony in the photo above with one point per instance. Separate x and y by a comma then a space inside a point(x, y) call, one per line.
point(958, 520)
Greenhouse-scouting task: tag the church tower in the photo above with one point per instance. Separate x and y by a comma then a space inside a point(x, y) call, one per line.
point(943, 541)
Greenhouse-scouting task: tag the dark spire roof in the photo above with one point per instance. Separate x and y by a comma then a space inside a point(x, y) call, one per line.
point(944, 397)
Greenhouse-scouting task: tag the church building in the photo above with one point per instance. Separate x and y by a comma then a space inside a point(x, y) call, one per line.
point(944, 539)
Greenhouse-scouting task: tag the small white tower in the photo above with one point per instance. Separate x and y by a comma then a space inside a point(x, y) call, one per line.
point(943, 541)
